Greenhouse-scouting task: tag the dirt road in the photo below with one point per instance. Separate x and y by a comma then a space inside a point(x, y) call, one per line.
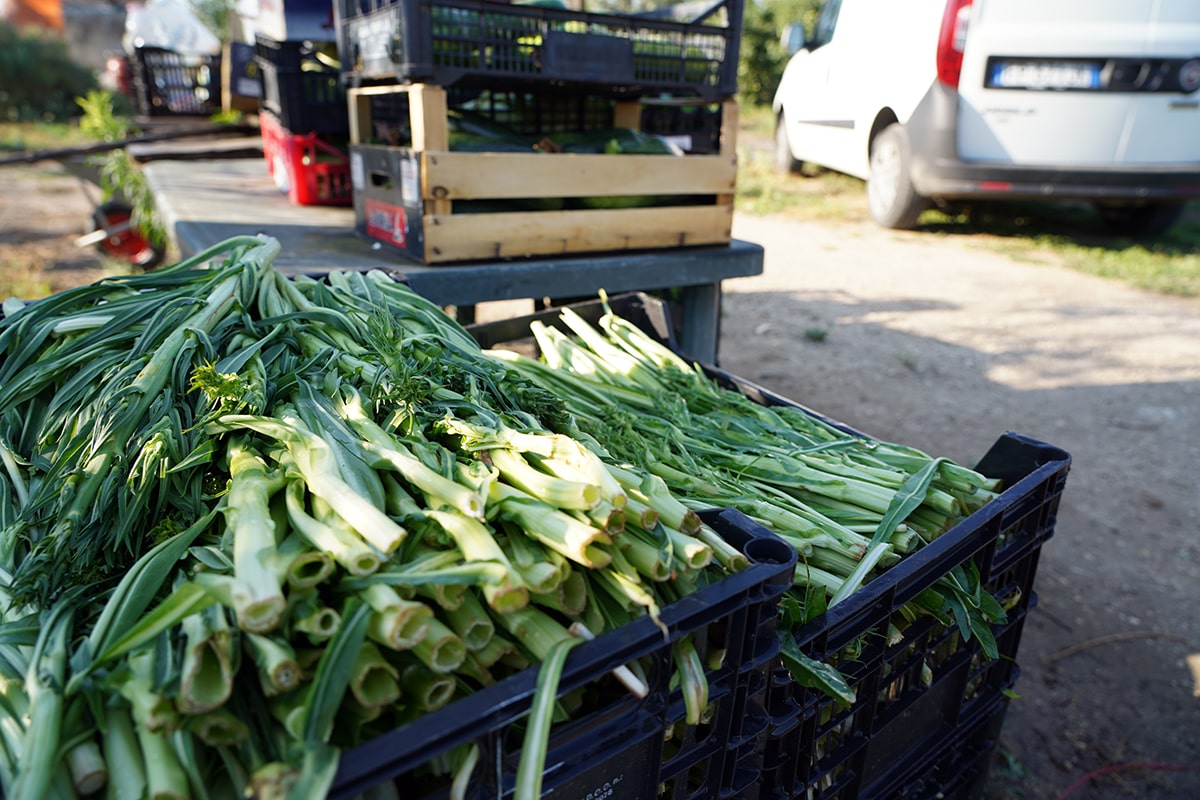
point(942, 344)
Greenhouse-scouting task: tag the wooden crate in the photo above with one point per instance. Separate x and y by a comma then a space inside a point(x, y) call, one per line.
point(415, 197)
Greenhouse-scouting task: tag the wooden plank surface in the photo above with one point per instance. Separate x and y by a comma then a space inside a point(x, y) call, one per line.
point(457, 237)
point(466, 176)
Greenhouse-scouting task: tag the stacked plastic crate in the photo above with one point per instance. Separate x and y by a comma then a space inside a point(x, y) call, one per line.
point(167, 83)
point(303, 113)
point(484, 129)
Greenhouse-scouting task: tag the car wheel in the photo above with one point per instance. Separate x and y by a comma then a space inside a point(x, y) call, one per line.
point(785, 162)
point(1144, 222)
point(893, 201)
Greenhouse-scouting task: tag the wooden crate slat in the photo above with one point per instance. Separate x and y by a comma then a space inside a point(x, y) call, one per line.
point(456, 237)
point(467, 176)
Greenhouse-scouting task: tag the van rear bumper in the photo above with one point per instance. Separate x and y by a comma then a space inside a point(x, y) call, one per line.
point(937, 172)
point(950, 179)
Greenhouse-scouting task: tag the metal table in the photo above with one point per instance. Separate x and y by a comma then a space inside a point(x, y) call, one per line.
point(204, 202)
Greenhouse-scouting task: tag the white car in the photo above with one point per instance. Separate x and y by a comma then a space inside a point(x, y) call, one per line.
point(943, 100)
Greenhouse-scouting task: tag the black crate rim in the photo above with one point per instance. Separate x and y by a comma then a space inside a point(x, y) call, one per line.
point(412, 744)
point(414, 33)
point(951, 548)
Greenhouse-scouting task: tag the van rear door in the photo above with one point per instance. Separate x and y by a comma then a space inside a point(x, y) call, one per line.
point(1081, 83)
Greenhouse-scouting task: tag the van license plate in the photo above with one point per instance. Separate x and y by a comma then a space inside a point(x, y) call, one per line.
point(1043, 75)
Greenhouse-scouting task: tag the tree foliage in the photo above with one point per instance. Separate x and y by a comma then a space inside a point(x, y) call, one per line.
point(38, 79)
point(762, 57)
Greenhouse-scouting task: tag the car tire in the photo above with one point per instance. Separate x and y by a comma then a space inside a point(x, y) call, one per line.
point(1147, 221)
point(785, 162)
point(893, 201)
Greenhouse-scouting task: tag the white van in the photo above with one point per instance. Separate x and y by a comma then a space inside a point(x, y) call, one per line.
point(943, 100)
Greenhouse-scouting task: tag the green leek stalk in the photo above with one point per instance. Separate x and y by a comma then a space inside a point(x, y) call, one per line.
point(218, 728)
point(320, 415)
point(314, 460)
point(43, 687)
point(551, 489)
point(89, 772)
point(330, 534)
point(165, 776)
point(440, 649)
point(430, 690)
point(536, 631)
point(604, 516)
point(462, 775)
point(206, 682)
point(446, 596)
point(123, 754)
point(729, 557)
point(274, 779)
point(692, 679)
point(470, 622)
point(532, 762)
point(648, 559)
point(476, 543)
point(553, 528)
point(258, 599)
point(540, 569)
point(288, 709)
point(652, 490)
point(374, 682)
point(278, 670)
point(387, 452)
point(568, 598)
point(152, 711)
point(394, 622)
point(491, 653)
point(310, 617)
point(694, 554)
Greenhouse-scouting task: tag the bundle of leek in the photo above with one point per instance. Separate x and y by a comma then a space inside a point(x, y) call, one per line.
point(247, 521)
point(851, 505)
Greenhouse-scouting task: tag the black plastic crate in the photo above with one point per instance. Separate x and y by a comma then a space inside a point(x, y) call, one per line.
point(958, 770)
point(626, 748)
point(695, 127)
point(509, 111)
point(917, 697)
point(169, 83)
point(674, 49)
point(302, 87)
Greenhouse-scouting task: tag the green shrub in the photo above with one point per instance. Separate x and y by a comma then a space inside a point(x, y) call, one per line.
point(38, 79)
point(762, 57)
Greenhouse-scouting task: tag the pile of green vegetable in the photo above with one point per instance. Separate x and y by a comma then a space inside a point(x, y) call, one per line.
point(852, 506)
point(247, 521)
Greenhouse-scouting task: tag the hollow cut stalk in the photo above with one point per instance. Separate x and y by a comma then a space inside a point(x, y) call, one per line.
point(258, 599)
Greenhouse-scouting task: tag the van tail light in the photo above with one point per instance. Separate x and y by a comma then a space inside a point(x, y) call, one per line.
point(952, 39)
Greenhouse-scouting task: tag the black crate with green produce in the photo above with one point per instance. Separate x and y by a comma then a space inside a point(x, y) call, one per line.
point(274, 520)
point(915, 573)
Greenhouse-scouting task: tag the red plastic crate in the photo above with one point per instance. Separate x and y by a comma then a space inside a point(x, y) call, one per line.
point(311, 171)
